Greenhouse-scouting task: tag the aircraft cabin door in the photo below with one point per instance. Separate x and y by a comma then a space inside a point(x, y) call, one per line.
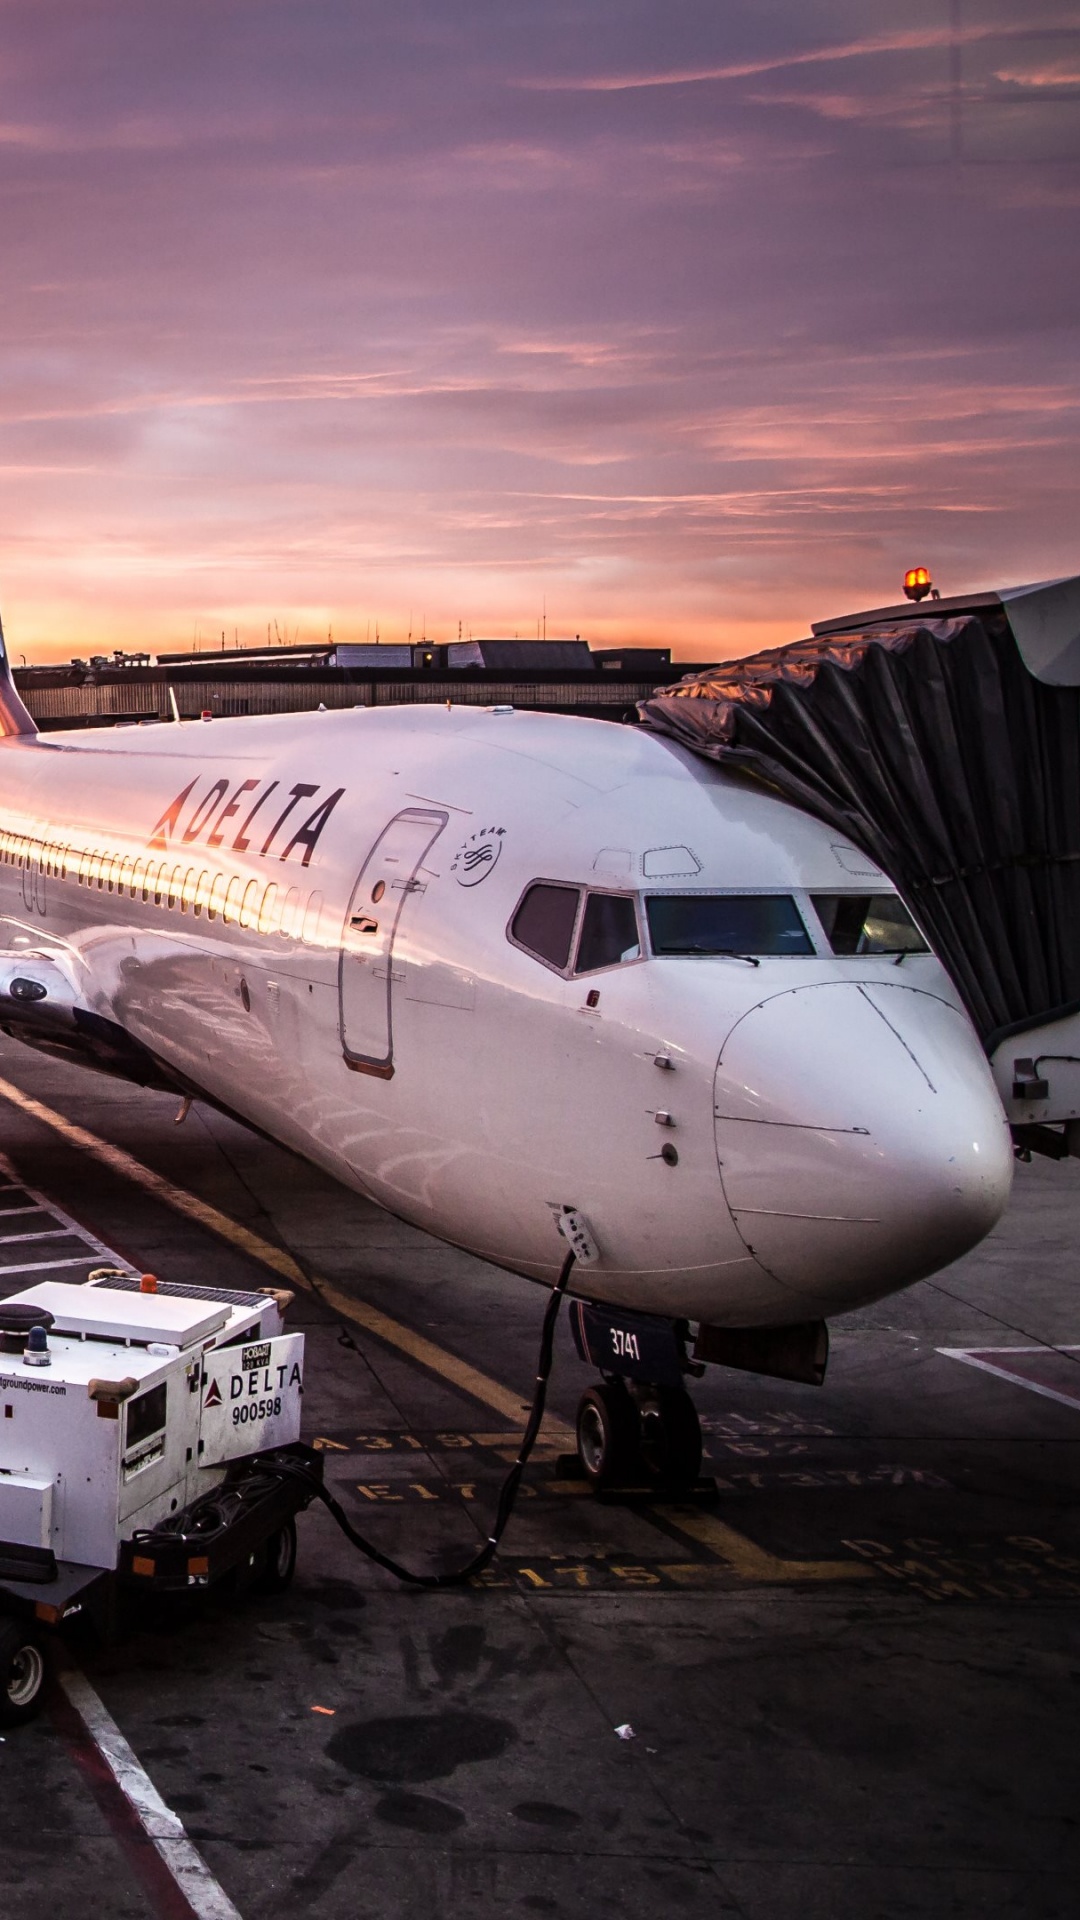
point(366, 980)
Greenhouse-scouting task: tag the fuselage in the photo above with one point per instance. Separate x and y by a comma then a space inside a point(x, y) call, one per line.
point(422, 947)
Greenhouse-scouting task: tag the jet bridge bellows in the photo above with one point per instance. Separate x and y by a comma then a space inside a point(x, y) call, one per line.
point(945, 741)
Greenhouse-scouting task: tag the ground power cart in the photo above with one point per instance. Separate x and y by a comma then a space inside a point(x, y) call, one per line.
point(149, 1442)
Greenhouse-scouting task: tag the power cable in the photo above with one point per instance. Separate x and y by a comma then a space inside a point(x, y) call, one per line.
point(507, 1493)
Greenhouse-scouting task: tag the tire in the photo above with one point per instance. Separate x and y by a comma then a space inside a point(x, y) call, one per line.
point(607, 1434)
point(671, 1437)
point(279, 1563)
point(23, 1673)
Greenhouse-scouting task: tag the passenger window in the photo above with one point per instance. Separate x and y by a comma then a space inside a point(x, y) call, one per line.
point(868, 923)
point(747, 923)
point(217, 897)
point(312, 918)
point(247, 906)
point(609, 932)
point(267, 910)
point(544, 923)
point(290, 913)
point(202, 888)
point(232, 899)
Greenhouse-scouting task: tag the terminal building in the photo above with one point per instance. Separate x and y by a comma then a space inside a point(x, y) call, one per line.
point(551, 676)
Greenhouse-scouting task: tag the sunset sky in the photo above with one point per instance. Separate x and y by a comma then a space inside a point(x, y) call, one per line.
point(692, 321)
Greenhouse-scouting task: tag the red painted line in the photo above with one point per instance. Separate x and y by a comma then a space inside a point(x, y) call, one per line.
point(139, 1851)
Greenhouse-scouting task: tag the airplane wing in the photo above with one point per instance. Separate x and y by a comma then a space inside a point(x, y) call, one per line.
point(42, 1004)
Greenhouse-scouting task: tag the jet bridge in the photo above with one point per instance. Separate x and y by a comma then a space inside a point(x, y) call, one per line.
point(943, 739)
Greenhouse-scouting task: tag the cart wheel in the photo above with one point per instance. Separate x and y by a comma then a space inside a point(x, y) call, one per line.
point(22, 1673)
point(280, 1562)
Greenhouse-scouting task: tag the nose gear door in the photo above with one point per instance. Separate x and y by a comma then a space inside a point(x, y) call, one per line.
point(366, 973)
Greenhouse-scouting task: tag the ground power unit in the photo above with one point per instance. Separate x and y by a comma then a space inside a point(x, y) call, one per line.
point(149, 1441)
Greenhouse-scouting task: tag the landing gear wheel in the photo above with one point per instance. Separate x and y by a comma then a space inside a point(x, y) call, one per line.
point(607, 1434)
point(671, 1436)
point(280, 1562)
point(22, 1673)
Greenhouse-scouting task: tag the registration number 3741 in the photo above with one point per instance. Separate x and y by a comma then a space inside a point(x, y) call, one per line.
point(251, 1410)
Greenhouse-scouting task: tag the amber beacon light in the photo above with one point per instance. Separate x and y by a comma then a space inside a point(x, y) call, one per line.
point(917, 583)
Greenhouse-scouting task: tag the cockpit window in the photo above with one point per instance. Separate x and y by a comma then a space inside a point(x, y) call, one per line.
point(609, 932)
point(544, 922)
point(868, 923)
point(746, 923)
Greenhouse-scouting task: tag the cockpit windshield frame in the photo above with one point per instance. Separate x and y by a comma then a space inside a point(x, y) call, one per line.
point(802, 899)
point(570, 970)
point(748, 949)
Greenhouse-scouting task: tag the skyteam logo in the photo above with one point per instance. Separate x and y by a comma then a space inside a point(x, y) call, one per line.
point(477, 856)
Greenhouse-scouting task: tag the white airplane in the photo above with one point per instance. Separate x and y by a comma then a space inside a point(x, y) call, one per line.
point(488, 967)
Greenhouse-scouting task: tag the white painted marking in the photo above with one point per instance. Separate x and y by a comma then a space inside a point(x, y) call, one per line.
point(1017, 1379)
point(46, 1266)
point(68, 1228)
point(42, 1233)
point(161, 1825)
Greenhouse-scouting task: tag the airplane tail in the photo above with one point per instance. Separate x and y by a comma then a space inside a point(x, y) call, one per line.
point(14, 718)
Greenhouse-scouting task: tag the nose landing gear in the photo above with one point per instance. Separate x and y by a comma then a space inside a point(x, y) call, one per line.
point(628, 1431)
point(671, 1435)
point(607, 1433)
point(638, 1424)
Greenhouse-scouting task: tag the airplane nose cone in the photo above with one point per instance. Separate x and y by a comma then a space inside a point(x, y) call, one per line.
point(861, 1141)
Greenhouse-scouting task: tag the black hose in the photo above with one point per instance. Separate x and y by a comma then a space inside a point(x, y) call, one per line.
point(507, 1492)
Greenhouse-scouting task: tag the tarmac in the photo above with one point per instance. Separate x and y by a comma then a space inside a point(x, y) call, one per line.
point(851, 1673)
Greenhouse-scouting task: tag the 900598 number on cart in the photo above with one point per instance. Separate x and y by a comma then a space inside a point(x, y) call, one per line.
point(250, 1410)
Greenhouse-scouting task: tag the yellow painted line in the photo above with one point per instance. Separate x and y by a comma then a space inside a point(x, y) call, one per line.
point(509, 1406)
point(752, 1562)
point(692, 1573)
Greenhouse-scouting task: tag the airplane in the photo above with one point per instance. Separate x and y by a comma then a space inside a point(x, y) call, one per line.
point(515, 976)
